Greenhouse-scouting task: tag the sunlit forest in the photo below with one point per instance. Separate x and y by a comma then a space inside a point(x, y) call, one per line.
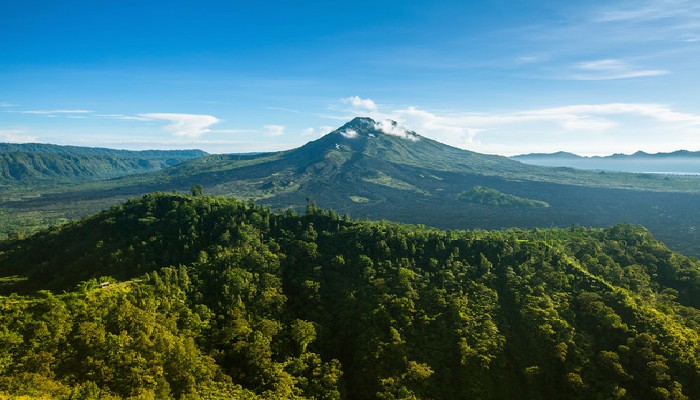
point(186, 297)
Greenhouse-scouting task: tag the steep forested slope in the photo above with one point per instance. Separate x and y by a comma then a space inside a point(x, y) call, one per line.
point(29, 162)
point(222, 299)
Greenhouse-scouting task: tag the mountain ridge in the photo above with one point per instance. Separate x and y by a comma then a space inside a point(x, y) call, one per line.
point(87, 150)
point(676, 162)
point(36, 161)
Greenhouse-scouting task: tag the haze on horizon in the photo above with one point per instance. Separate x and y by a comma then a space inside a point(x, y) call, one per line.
point(497, 77)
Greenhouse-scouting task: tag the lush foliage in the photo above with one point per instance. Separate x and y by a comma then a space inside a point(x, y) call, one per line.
point(213, 298)
point(492, 197)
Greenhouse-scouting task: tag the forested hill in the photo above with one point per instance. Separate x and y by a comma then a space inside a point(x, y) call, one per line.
point(214, 298)
point(34, 161)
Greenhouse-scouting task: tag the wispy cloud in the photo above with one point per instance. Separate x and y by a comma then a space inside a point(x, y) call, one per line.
point(17, 136)
point(658, 112)
point(624, 39)
point(6, 104)
point(612, 69)
point(185, 125)
point(53, 112)
point(642, 11)
point(122, 117)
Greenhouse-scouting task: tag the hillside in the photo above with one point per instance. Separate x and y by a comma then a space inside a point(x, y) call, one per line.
point(45, 162)
point(381, 171)
point(677, 162)
point(215, 298)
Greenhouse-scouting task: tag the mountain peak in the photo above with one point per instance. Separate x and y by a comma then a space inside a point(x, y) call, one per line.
point(361, 122)
point(365, 126)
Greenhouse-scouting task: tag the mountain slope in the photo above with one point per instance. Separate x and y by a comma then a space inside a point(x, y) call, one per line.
point(20, 162)
point(266, 305)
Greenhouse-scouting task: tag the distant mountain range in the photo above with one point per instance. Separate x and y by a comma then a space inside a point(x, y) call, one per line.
point(677, 162)
point(35, 161)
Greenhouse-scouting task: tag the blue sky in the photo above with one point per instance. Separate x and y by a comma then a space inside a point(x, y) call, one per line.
point(496, 76)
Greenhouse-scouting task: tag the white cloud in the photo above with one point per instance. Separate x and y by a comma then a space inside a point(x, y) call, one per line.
point(122, 117)
point(274, 130)
point(612, 69)
point(349, 133)
point(392, 128)
point(53, 112)
point(359, 103)
point(6, 104)
point(456, 129)
point(17, 136)
point(185, 125)
point(658, 112)
point(602, 65)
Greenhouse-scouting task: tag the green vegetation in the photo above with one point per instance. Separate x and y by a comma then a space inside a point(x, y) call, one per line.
point(494, 198)
point(409, 181)
point(28, 162)
point(359, 199)
point(225, 299)
point(383, 179)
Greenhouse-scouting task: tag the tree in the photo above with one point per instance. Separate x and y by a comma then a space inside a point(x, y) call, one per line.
point(197, 190)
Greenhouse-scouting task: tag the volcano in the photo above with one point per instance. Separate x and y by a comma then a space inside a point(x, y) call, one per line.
point(381, 170)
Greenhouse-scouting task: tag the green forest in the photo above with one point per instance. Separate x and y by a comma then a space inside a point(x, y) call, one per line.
point(494, 198)
point(37, 162)
point(188, 297)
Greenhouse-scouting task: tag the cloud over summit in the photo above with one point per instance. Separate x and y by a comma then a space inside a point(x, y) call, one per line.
point(392, 128)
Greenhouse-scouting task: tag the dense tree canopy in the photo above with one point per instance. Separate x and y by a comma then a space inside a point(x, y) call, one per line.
point(214, 298)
